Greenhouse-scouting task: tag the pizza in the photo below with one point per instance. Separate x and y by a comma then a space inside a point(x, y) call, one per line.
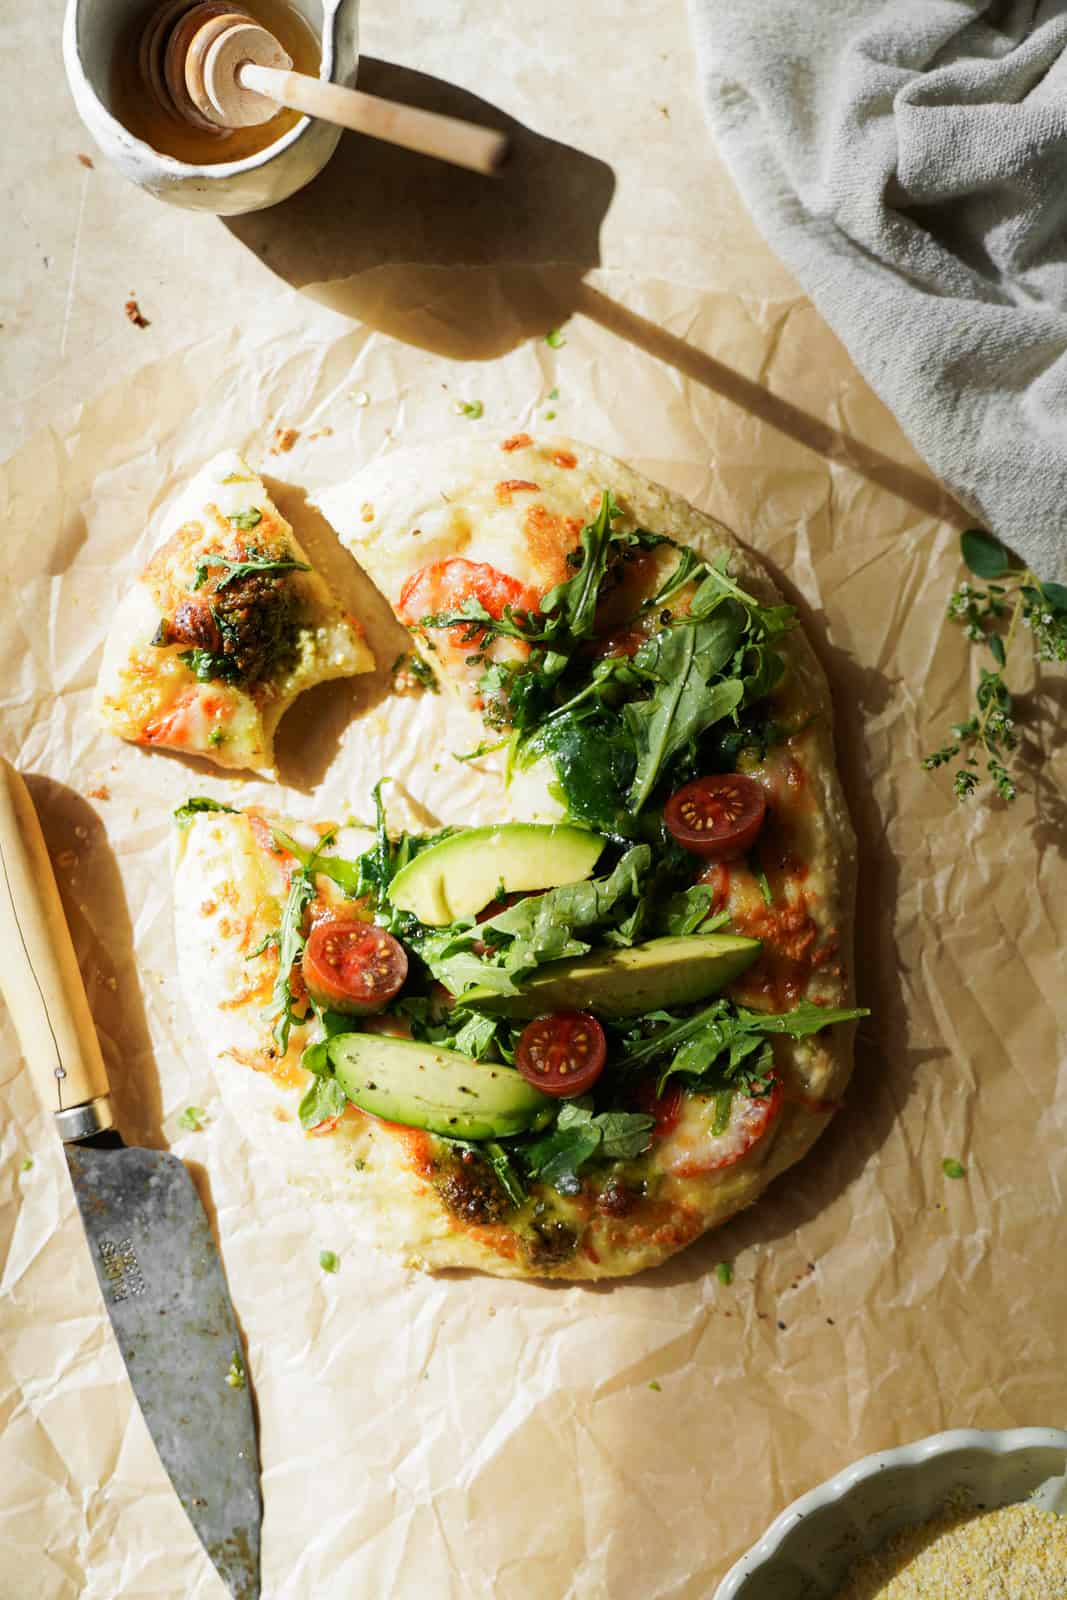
point(567, 1043)
point(224, 628)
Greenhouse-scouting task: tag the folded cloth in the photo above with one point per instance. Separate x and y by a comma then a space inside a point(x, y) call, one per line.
point(907, 159)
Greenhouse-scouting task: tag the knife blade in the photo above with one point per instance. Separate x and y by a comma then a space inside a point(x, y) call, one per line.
point(148, 1235)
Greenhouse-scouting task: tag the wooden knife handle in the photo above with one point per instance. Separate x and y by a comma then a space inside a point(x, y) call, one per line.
point(39, 973)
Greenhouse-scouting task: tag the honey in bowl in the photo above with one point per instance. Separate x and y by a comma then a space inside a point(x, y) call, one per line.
point(139, 111)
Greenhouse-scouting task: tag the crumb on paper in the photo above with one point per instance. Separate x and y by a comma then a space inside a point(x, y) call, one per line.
point(101, 792)
point(361, 397)
point(134, 313)
point(284, 440)
point(67, 859)
point(325, 432)
point(86, 161)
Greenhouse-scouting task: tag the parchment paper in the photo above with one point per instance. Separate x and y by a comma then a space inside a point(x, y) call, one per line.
point(464, 1436)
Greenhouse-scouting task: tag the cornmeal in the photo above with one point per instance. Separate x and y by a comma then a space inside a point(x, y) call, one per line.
point(1016, 1553)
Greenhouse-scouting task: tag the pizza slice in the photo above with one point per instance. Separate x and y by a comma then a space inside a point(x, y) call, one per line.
point(224, 628)
point(491, 528)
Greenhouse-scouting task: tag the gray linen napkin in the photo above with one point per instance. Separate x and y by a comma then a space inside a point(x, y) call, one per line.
point(907, 159)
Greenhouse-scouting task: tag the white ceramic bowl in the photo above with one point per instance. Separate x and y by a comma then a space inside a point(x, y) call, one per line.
point(806, 1553)
point(91, 30)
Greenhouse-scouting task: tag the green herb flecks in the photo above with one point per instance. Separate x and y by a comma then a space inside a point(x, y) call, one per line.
point(329, 1261)
point(993, 616)
point(198, 804)
point(236, 1377)
point(193, 1119)
point(246, 520)
point(953, 1168)
point(655, 1386)
point(555, 339)
point(413, 666)
point(724, 1272)
point(27, 1164)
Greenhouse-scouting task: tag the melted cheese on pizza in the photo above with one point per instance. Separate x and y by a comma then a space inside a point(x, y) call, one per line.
point(225, 627)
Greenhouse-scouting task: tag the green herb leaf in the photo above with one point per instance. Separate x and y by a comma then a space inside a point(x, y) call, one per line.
point(724, 1272)
point(681, 661)
point(324, 1097)
point(686, 912)
point(196, 804)
point(953, 1168)
point(192, 1119)
point(655, 1386)
point(472, 409)
point(329, 1261)
point(27, 1163)
point(240, 566)
point(1054, 595)
point(502, 1164)
point(984, 554)
point(247, 520)
point(555, 339)
point(236, 1376)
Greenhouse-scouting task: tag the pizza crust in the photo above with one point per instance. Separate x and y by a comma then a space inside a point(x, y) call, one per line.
point(148, 692)
point(399, 1196)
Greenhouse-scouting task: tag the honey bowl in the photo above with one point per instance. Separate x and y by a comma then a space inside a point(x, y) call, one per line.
point(233, 174)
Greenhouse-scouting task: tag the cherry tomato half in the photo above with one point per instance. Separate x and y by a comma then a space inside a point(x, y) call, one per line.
point(694, 1152)
point(717, 817)
point(353, 967)
point(562, 1054)
point(444, 585)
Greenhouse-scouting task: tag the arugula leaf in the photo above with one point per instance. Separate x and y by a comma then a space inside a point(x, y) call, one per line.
point(324, 1099)
point(804, 1019)
point(240, 566)
point(723, 1039)
point(197, 803)
point(689, 567)
point(687, 911)
point(346, 874)
point(579, 1136)
point(502, 1164)
point(290, 949)
point(556, 1158)
point(573, 602)
point(542, 926)
point(681, 661)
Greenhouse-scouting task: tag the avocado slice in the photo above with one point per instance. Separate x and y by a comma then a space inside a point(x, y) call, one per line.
point(627, 982)
point(466, 871)
point(439, 1090)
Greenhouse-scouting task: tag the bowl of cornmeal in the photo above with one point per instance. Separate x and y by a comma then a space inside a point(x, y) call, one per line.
point(971, 1514)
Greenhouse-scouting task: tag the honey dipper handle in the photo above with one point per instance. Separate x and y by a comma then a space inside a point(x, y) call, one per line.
point(39, 973)
point(427, 132)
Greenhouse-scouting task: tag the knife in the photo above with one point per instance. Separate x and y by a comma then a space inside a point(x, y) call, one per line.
point(151, 1245)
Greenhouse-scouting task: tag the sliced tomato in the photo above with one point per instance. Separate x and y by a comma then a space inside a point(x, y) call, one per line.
point(716, 817)
point(666, 1108)
point(444, 585)
point(562, 1053)
point(353, 967)
point(698, 1150)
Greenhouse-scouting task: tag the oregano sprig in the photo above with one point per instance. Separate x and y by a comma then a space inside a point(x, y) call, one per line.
point(992, 616)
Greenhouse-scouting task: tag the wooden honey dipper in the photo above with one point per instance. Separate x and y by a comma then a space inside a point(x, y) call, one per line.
point(211, 64)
